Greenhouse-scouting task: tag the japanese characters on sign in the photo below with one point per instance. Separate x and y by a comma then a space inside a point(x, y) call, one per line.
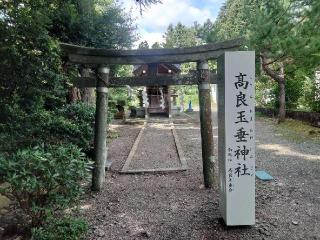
point(236, 140)
point(240, 152)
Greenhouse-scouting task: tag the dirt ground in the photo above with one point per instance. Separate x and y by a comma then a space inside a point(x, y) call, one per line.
point(176, 206)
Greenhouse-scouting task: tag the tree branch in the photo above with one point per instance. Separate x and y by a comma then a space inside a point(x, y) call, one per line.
point(275, 60)
point(278, 78)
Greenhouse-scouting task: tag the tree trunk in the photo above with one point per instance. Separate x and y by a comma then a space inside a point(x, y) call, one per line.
point(282, 102)
point(282, 96)
point(87, 94)
point(280, 79)
point(74, 95)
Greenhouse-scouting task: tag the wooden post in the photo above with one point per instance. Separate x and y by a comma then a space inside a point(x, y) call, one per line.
point(174, 98)
point(145, 103)
point(206, 124)
point(140, 98)
point(169, 102)
point(100, 131)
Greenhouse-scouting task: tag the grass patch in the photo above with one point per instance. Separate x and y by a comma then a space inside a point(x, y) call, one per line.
point(112, 134)
point(298, 131)
point(259, 114)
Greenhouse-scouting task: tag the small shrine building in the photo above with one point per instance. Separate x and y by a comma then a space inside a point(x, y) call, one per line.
point(159, 97)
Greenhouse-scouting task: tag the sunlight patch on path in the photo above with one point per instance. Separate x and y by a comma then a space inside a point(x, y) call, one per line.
point(287, 151)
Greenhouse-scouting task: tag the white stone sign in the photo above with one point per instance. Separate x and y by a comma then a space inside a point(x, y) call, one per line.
point(236, 141)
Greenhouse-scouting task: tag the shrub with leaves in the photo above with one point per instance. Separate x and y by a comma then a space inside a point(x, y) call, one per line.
point(44, 180)
point(61, 229)
point(80, 132)
point(70, 124)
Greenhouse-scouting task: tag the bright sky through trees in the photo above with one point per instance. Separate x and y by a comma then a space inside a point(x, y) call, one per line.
point(155, 20)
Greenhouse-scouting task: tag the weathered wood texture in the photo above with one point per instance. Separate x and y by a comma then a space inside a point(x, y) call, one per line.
point(85, 55)
point(206, 125)
point(186, 79)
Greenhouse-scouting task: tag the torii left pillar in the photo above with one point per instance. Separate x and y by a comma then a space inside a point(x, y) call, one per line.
point(206, 123)
point(100, 130)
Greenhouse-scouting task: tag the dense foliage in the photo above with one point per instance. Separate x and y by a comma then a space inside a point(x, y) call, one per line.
point(180, 36)
point(61, 229)
point(286, 40)
point(44, 179)
point(72, 123)
point(42, 136)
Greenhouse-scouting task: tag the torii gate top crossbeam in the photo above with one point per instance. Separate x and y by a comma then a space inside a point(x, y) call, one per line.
point(86, 55)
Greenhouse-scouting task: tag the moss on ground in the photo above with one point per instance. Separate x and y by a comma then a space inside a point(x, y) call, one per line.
point(298, 131)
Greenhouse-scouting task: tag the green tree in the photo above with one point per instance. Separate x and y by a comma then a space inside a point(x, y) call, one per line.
point(231, 22)
point(30, 62)
point(32, 75)
point(203, 31)
point(282, 33)
point(33, 90)
point(180, 36)
point(278, 33)
point(143, 45)
point(146, 3)
point(156, 45)
point(93, 23)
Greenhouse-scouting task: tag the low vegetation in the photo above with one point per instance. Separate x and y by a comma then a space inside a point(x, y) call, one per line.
point(299, 131)
point(65, 228)
point(43, 180)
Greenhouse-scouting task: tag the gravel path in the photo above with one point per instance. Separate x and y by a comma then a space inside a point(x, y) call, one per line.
point(156, 148)
point(119, 148)
point(175, 205)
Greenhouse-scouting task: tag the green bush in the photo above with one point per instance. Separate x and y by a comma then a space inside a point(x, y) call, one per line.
point(61, 229)
point(76, 124)
point(310, 92)
point(265, 96)
point(80, 113)
point(43, 180)
point(112, 109)
point(70, 124)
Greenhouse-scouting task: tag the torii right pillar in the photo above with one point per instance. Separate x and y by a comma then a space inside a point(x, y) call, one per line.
point(236, 137)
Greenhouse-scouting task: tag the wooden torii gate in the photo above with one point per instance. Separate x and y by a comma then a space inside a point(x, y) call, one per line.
point(100, 59)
